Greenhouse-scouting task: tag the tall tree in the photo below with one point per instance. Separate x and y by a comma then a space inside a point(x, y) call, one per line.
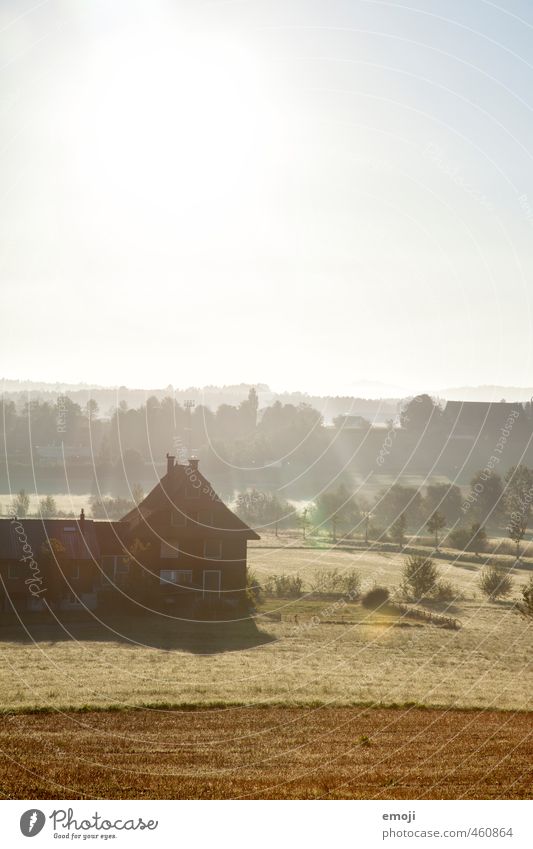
point(436, 523)
point(518, 499)
point(21, 504)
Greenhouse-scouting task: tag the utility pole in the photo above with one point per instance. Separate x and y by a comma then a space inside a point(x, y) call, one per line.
point(334, 521)
point(304, 521)
point(367, 517)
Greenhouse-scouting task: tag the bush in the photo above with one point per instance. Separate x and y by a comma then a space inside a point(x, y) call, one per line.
point(468, 539)
point(284, 586)
point(526, 605)
point(376, 597)
point(495, 582)
point(333, 582)
point(446, 591)
point(459, 538)
point(254, 590)
point(419, 577)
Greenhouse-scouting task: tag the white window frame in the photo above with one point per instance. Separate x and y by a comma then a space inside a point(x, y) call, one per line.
point(213, 556)
point(175, 578)
point(211, 593)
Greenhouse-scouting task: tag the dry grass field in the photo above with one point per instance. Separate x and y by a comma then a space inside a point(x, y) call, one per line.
point(268, 753)
point(310, 699)
point(297, 652)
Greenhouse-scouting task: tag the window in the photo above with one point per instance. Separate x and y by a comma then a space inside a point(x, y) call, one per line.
point(194, 490)
point(177, 577)
point(122, 566)
point(14, 571)
point(213, 549)
point(73, 600)
point(170, 551)
point(178, 519)
point(75, 572)
point(113, 565)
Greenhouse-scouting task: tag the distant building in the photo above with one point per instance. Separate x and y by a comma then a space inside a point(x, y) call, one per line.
point(470, 419)
point(179, 547)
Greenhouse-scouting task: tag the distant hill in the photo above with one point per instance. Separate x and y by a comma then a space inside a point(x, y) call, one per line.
point(363, 400)
point(486, 393)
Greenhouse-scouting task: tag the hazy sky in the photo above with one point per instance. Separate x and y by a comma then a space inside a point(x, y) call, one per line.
point(301, 193)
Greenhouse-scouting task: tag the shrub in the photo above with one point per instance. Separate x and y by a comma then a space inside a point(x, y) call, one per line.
point(526, 605)
point(468, 539)
point(284, 586)
point(446, 591)
point(254, 590)
point(375, 598)
point(333, 582)
point(352, 584)
point(419, 576)
point(459, 538)
point(495, 582)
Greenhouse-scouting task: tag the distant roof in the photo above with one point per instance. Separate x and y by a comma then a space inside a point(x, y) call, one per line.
point(478, 406)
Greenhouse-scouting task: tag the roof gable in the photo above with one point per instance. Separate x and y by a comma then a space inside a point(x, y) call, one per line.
point(185, 488)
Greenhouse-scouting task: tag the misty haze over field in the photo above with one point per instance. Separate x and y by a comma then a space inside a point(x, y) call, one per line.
point(318, 194)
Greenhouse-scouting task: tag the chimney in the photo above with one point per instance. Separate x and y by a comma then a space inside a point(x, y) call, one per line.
point(193, 463)
point(82, 515)
point(170, 462)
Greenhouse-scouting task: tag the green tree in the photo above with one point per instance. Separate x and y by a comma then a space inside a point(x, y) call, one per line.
point(47, 507)
point(420, 413)
point(395, 500)
point(526, 605)
point(336, 509)
point(444, 498)
point(264, 509)
point(21, 504)
point(518, 499)
point(437, 522)
point(487, 505)
point(517, 528)
point(478, 538)
point(419, 577)
point(495, 582)
point(397, 530)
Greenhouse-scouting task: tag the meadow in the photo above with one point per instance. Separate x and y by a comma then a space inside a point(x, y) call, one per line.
point(293, 652)
point(310, 698)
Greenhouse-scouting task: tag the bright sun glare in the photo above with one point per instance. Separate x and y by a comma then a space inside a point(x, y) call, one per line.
point(185, 119)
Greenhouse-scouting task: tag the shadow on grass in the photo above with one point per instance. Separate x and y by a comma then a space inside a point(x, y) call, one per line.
point(152, 631)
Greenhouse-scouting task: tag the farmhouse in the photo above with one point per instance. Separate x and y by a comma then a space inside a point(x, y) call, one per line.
point(181, 548)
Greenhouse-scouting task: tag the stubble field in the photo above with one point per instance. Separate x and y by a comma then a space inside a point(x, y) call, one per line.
point(268, 753)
